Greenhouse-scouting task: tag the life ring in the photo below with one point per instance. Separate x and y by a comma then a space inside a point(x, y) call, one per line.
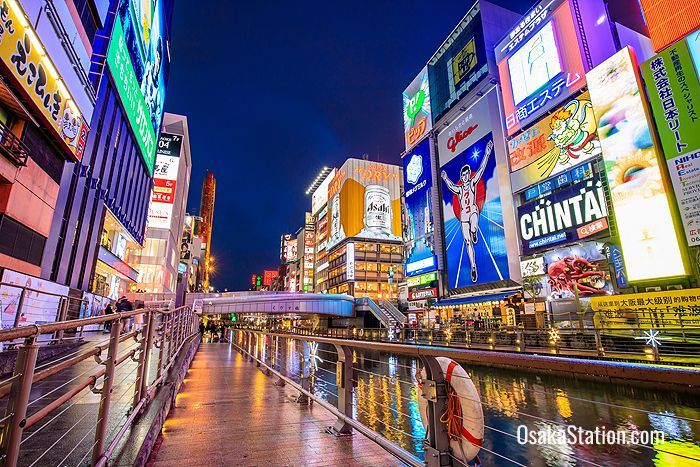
point(464, 415)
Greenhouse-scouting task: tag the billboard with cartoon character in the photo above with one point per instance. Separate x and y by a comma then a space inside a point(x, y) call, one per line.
point(583, 266)
point(556, 143)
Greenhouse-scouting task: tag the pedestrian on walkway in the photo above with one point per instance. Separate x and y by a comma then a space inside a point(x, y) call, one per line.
point(125, 305)
point(108, 311)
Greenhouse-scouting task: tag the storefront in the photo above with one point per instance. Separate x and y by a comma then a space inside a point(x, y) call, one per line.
point(482, 312)
point(113, 275)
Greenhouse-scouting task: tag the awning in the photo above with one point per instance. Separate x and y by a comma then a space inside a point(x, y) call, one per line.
point(476, 299)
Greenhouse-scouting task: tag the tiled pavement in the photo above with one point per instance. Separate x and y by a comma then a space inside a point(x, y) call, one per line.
point(229, 413)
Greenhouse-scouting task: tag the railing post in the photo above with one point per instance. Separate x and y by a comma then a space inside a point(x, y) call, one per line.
point(106, 391)
point(304, 379)
point(437, 450)
point(18, 400)
point(258, 349)
point(141, 385)
point(61, 315)
point(267, 340)
point(163, 339)
point(344, 375)
point(20, 304)
point(281, 358)
point(599, 343)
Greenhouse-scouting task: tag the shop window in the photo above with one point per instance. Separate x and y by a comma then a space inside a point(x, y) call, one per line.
point(20, 242)
point(360, 265)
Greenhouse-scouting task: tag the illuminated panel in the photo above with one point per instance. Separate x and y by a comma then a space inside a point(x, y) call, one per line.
point(669, 20)
point(645, 225)
point(417, 117)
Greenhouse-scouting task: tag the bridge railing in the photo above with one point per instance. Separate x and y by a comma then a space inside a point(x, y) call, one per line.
point(369, 390)
point(131, 363)
point(670, 344)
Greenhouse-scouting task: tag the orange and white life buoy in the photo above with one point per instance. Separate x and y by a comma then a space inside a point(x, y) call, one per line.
point(463, 414)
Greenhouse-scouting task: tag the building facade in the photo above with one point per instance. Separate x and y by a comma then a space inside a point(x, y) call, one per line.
point(206, 212)
point(158, 263)
point(102, 207)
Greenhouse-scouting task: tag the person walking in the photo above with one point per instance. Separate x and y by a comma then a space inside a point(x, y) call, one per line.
point(124, 305)
point(108, 311)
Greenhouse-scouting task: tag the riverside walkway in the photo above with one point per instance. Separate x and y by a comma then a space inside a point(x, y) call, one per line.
point(229, 413)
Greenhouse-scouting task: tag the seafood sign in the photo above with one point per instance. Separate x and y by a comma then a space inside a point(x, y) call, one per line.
point(583, 267)
point(567, 215)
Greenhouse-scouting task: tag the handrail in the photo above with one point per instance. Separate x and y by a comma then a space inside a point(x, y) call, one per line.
point(391, 308)
point(165, 332)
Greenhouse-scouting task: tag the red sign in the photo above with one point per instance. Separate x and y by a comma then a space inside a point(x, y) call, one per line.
point(269, 276)
point(163, 191)
point(417, 131)
point(422, 294)
point(592, 228)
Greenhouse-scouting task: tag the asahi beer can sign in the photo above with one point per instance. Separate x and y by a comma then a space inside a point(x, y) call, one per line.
point(378, 209)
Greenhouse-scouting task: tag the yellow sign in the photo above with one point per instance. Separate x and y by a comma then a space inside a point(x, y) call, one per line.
point(25, 57)
point(649, 309)
point(464, 61)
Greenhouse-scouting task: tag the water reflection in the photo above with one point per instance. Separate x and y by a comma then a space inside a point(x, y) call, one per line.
point(385, 400)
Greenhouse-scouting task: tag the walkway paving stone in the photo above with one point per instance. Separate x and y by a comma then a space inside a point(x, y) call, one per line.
point(229, 413)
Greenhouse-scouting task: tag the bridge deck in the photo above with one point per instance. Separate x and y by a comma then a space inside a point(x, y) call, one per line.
point(229, 413)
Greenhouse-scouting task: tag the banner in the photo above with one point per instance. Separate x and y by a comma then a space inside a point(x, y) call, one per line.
point(37, 308)
point(27, 60)
point(642, 211)
point(652, 309)
point(674, 93)
point(417, 118)
point(583, 267)
point(475, 243)
point(567, 215)
point(418, 232)
point(165, 174)
point(556, 143)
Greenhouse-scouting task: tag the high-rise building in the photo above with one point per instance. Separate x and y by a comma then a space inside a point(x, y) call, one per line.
point(159, 261)
point(102, 206)
point(206, 212)
point(41, 126)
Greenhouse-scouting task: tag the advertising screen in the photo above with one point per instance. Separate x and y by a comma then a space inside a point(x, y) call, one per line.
point(674, 93)
point(583, 267)
point(27, 61)
point(539, 63)
point(642, 211)
point(567, 215)
point(475, 244)
point(419, 246)
point(138, 60)
point(165, 172)
point(458, 65)
point(320, 196)
point(38, 308)
point(669, 20)
point(269, 276)
point(417, 118)
point(364, 202)
point(556, 143)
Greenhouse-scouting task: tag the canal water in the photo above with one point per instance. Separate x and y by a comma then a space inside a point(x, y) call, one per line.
point(386, 400)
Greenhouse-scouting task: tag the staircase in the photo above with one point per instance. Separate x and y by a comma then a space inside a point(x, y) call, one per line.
point(386, 312)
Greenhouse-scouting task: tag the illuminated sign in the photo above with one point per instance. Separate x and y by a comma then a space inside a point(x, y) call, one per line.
point(422, 280)
point(581, 268)
point(532, 267)
point(417, 118)
point(364, 202)
point(556, 143)
point(674, 93)
point(269, 276)
point(475, 243)
point(165, 173)
point(319, 198)
point(539, 63)
point(419, 247)
point(644, 221)
point(422, 294)
point(459, 65)
point(570, 214)
point(350, 262)
point(669, 20)
point(24, 55)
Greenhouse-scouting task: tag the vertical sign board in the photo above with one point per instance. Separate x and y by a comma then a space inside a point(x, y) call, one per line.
point(459, 64)
point(669, 20)
point(674, 93)
point(350, 261)
point(417, 117)
point(475, 243)
point(642, 211)
point(165, 173)
point(419, 243)
point(27, 60)
point(539, 63)
point(38, 308)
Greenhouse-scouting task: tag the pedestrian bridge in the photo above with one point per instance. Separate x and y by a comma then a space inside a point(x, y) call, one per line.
point(275, 303)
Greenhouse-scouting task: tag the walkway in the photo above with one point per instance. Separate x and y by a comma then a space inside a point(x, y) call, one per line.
point(229, 413)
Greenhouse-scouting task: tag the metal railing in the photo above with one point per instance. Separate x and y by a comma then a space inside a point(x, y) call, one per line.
point(390, 308)
point(646, 341)
point(158, 340)
point(12, 147)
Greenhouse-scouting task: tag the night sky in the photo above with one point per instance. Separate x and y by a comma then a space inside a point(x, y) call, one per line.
point(275, 90)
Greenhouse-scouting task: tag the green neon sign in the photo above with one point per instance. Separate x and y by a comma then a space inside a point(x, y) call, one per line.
point(415, 104)
point(130, 92)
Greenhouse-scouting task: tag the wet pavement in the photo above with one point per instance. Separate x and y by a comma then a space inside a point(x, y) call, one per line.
point(229, 413)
